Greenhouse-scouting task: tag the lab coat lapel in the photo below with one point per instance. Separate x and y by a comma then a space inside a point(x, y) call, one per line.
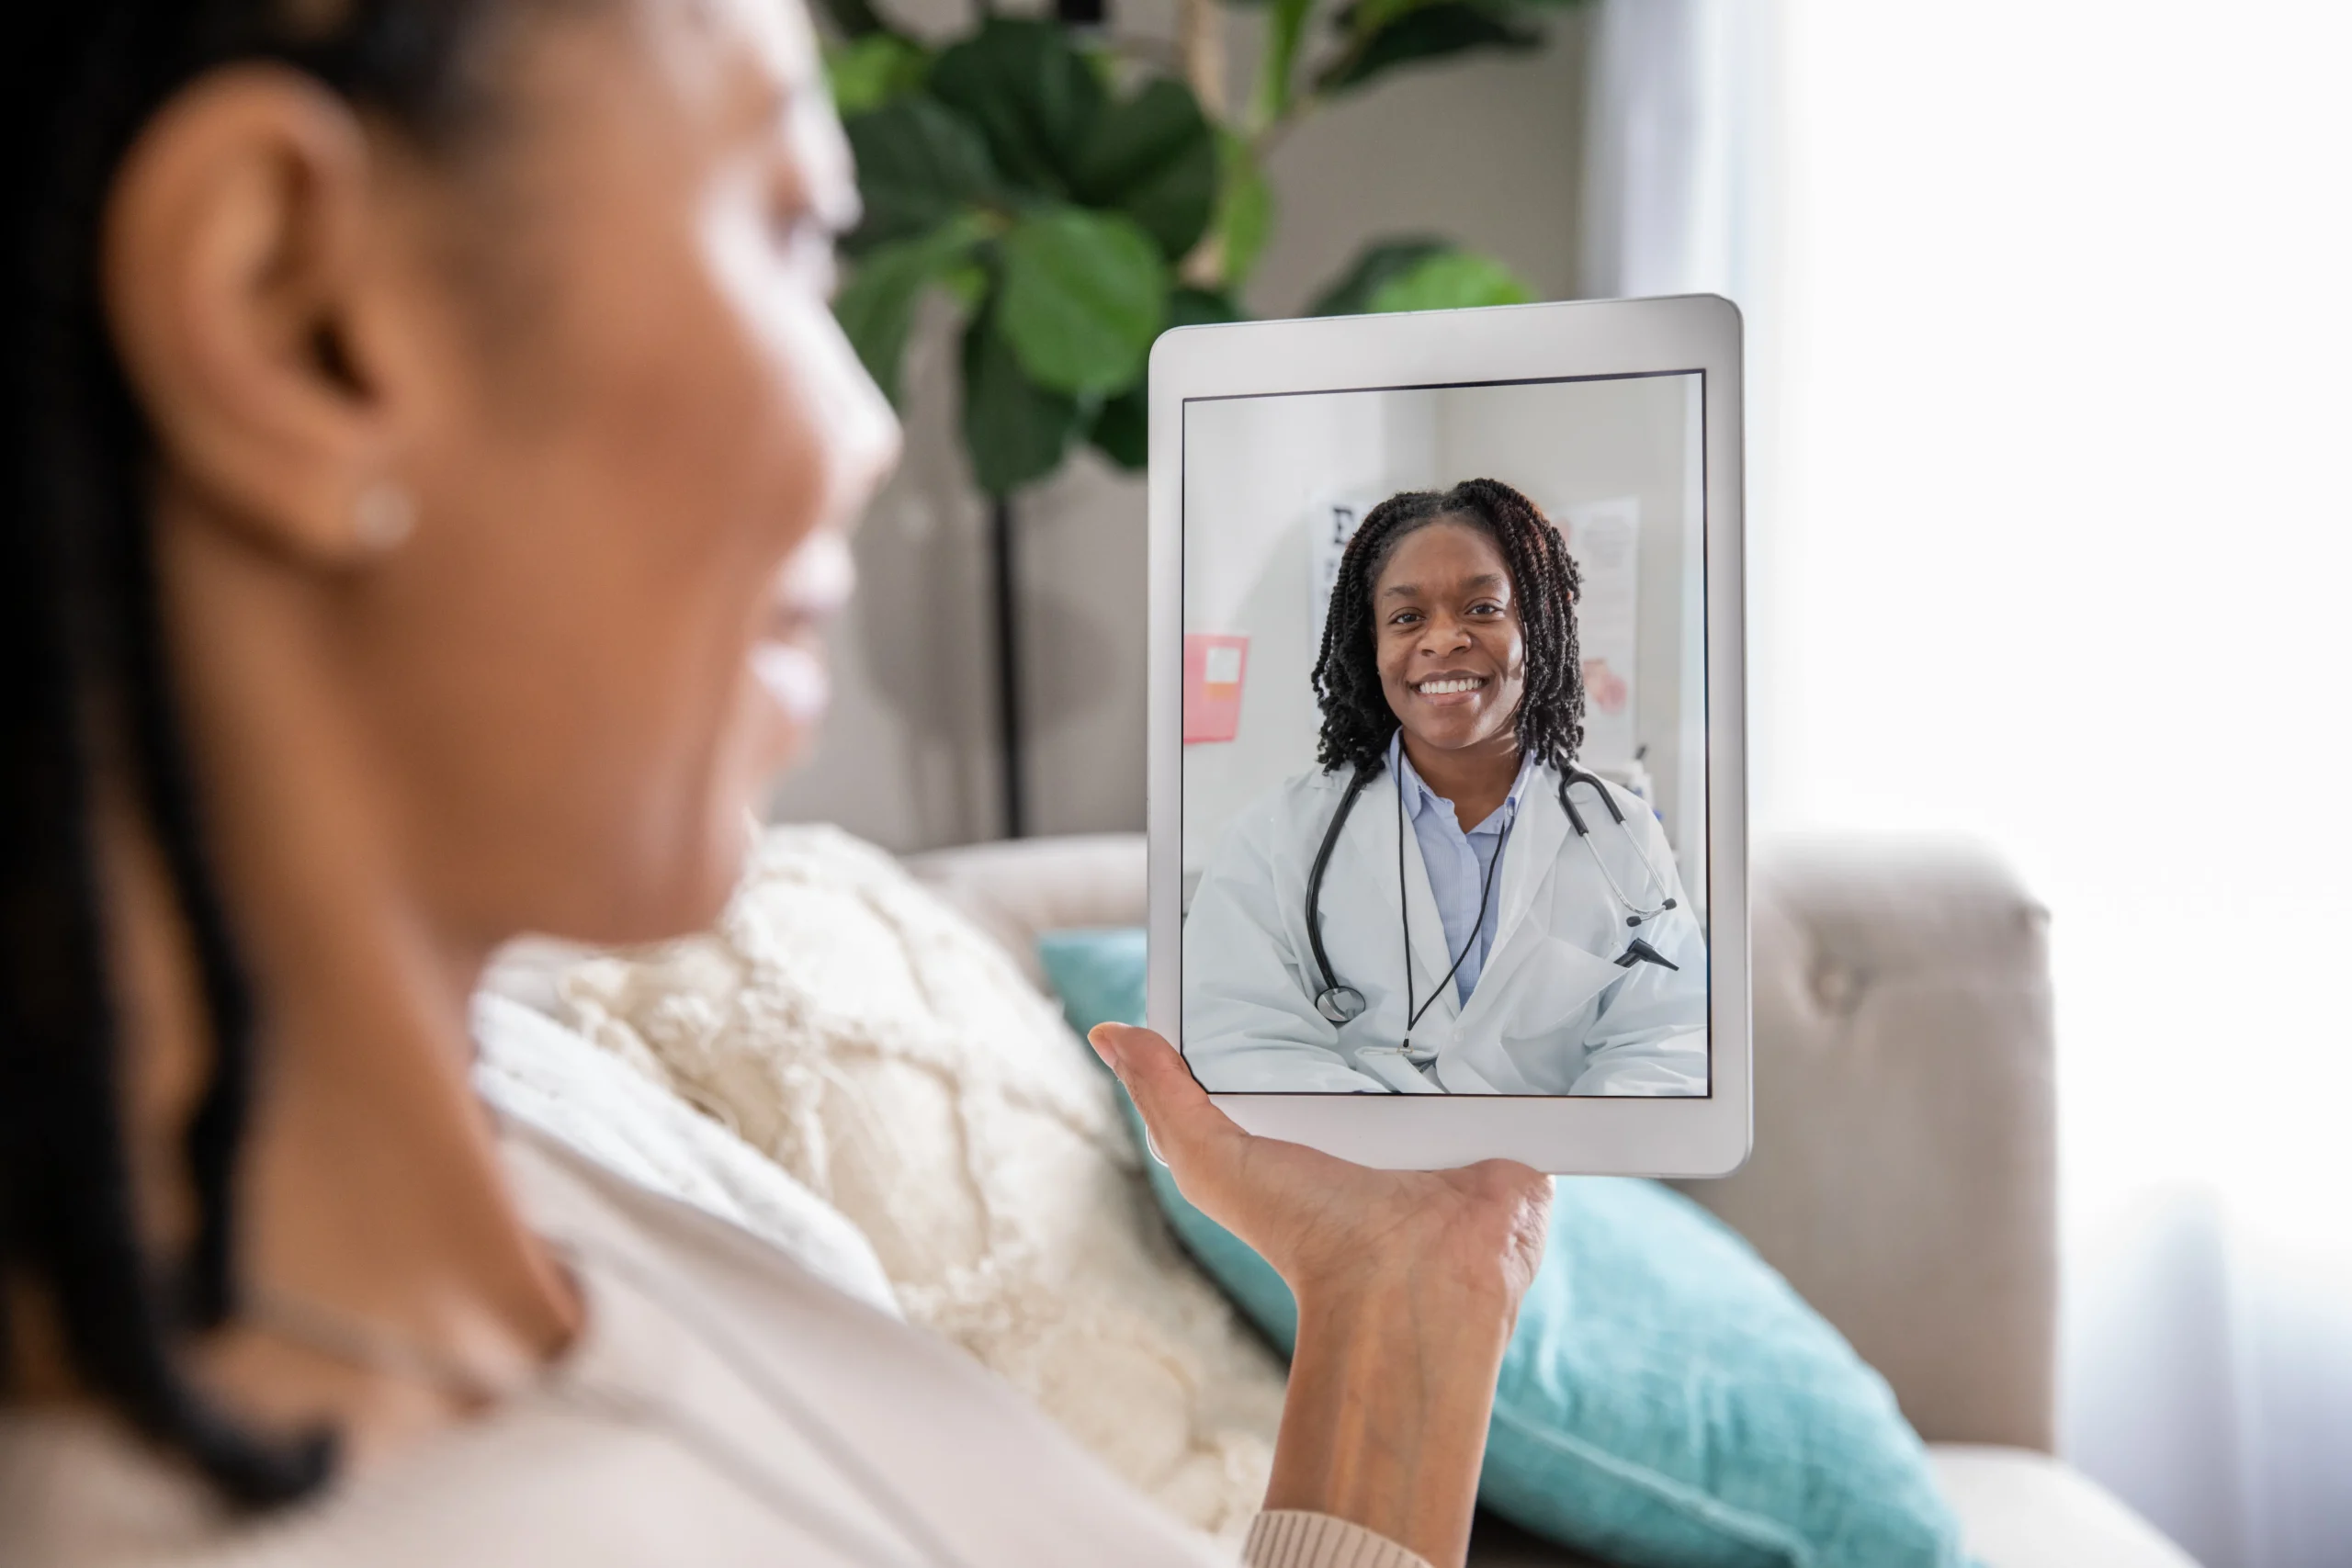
point(1460, 1075)
point(1531, 858)
point(1537, 835)
point(1399, 1075)
point(1372, 841)
point(1543, 983)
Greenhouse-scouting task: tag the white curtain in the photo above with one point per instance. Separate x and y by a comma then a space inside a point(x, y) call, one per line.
point(1673, 173)
point(2051, 542)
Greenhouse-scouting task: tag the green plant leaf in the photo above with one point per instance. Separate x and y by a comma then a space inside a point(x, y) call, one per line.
point(1450, 280)
point(918, 164)
point(1015, 431)
point(1153, 158)
point(869, 71)
point(876, 307)
point(1201, 308)
point(1109, 70)
point(1374, 267)
point(967, 283)
point(1427, 32)
point(1034, 98)
point(1122, 430)
point(1245, 210)
point(1083, 294)
point(1278, 67)
point(856, 19)
point(1365, 16)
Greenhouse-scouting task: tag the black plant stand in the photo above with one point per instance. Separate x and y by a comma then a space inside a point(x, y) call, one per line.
point(1010, 751)
point(1008, 671)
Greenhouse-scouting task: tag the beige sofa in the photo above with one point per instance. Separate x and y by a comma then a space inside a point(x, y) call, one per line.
point(1904, 1172)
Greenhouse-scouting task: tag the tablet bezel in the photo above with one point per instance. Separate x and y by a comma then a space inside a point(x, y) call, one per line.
point(1568, 1135)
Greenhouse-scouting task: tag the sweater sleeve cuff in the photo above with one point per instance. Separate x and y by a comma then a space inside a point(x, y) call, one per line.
point(1293, 1538)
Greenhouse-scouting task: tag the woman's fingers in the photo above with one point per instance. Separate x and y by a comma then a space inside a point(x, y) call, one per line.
point(1319, 1218)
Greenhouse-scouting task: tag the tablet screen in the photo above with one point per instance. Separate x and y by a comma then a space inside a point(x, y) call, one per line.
point(1445, 815)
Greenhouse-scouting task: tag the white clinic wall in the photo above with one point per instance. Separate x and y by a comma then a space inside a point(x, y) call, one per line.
point(1567, 443)
point(1261, 473)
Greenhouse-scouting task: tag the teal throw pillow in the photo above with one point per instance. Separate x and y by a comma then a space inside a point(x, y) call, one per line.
point(1668, 1401)
point(1097, 973)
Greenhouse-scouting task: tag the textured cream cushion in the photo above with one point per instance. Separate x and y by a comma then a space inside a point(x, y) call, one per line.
point(895, 1062)
point(531, 1070)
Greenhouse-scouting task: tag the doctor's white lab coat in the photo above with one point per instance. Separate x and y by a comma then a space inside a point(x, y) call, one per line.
point(1552, 1012)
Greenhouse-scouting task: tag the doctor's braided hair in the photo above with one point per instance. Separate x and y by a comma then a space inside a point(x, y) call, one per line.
point(86, 690)
point(1357, 720)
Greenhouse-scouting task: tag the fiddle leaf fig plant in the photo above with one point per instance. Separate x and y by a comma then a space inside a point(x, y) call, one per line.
point(1076, 203)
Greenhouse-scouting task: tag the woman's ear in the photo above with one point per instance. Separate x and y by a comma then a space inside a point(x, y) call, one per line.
point(239, 291)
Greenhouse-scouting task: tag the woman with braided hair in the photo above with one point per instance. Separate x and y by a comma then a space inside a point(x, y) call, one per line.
point(1447, 903)
point(425, 475)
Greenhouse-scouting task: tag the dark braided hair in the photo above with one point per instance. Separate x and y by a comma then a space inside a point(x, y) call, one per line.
point(1357, 720)
point(84, 676)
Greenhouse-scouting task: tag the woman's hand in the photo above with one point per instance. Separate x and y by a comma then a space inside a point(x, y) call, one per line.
point(1407, 1283)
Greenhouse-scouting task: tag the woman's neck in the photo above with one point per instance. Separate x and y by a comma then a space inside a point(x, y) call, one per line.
point(1476, 779)
point(370, 1185)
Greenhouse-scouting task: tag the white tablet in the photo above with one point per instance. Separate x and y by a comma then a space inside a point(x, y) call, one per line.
point(1447, 784)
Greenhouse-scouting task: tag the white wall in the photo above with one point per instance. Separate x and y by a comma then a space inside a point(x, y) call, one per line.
point(1487, 151)
point(2059, 559)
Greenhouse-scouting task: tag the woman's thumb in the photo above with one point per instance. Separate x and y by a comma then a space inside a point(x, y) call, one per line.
point(1174, 1107)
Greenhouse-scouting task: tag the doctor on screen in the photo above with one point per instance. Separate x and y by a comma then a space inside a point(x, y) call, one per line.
point(1447, 904)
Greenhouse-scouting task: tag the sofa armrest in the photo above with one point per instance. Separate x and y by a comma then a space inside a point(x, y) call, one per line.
point(1016, 890)
point(1904, 1178)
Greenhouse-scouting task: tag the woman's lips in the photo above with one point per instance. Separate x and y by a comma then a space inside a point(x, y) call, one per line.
point(812, 589)
point(796, 677)
point(1451, 690)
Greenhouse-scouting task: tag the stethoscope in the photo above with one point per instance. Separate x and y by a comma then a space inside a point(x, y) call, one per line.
point(1341, 1004)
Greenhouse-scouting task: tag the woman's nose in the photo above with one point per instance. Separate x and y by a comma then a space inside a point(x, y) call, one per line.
point(1444, 635)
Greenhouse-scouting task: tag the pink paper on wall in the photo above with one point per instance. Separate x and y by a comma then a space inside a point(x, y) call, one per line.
point(1213, 666)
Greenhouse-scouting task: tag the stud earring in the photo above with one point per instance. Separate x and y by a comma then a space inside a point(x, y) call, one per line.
point(384, 516)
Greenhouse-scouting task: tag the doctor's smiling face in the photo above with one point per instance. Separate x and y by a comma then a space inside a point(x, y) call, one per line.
point(1447, 638)
point(1452, 616)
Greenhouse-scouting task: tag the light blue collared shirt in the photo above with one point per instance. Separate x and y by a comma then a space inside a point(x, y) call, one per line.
point(1458, 862)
